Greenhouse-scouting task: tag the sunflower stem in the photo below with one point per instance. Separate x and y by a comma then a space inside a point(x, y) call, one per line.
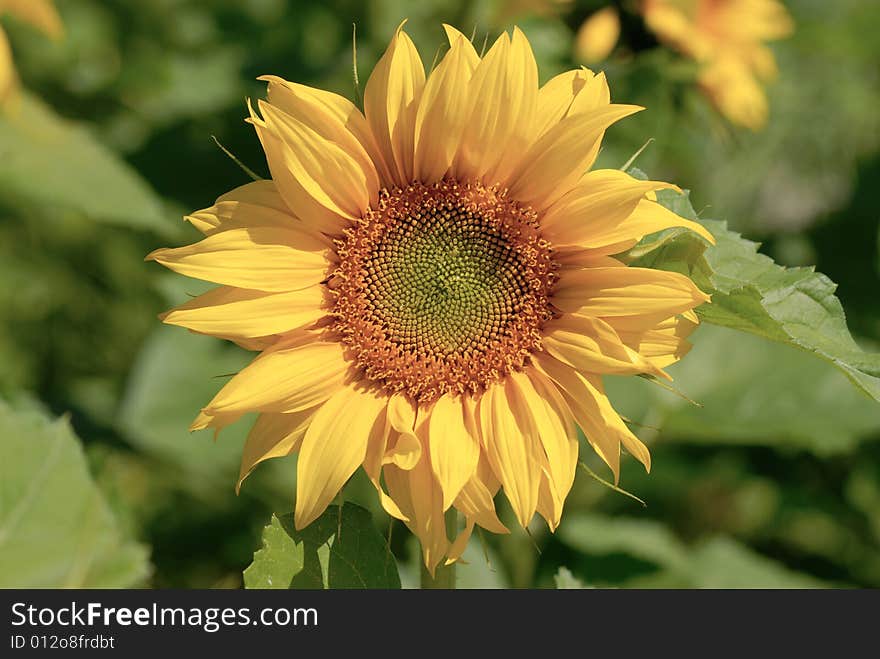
point(444, 575)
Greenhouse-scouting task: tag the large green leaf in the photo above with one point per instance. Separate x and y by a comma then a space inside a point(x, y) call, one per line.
point(751, 293)
point(340, 549)
point(50, 162)
point(56, 529)
point(716, 562)
point(751, 392)
point(174, 376)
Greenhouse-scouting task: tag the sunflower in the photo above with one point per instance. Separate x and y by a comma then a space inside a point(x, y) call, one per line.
point(432, 288)
point(727, 38)
point(40, 14)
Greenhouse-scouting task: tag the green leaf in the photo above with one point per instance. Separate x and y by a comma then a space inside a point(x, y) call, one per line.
point(174, 376)
point(50, 162)
point(56, 529)
point(770, 394)
point(645, 539)
point(716, 562)
point(753, 294)
point(340, 549)
point(722, 562)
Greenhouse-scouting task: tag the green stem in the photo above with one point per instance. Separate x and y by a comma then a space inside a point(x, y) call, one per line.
point(444, 575)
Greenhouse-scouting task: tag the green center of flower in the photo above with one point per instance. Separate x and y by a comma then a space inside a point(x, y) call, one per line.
point(442, 288)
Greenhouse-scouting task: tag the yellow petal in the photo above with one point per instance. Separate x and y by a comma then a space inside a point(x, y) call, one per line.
point(303, 107)
point(291, 95)
point(379, 453)
point(334, 446)
point(218, 421)
point(285, 379)
point(342, 182)
point(513, 452)
point(273, 436)
point(284, 166)
point(475, 503)
point(595, 208)
point(252, 205)
point(259, 258)
point(595, 95)
point(591, 346)
point(457, 548)
point(39, 13)
point(663, 344)
point(560, 157)
point(455, 36)
point(735, 92)
point(626, 292)
point(602, 426)
point(418, 494)
point(503, 100)
point(391, 100)
point(442, 113)
point(240, 313)
point(556, 96)
point(541, 411)
point(454, 451)
point(597, 36)
point(8, 79)
point(549, 503)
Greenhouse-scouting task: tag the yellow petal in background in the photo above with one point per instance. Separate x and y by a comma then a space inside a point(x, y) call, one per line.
point(334, 446)
point(259, 258)
point(8, 79)
point(391, 101)
point(41, 14)
point(597, 36)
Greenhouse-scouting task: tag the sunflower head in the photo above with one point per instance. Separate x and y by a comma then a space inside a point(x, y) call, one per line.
point(431, 287)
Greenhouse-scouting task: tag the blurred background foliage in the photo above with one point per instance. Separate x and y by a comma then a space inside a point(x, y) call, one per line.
point(773, 481)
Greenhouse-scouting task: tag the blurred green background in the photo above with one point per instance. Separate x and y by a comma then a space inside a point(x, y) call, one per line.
point(774, 481)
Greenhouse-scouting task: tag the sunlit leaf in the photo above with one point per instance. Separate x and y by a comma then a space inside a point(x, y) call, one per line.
point(751, 293)
point(48, 161)
point(340, 549)
point(56, 529)
point(751, 392)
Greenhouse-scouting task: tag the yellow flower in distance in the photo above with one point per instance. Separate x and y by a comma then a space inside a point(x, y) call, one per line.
point(728, 38)
point(432, 289)
point(597, 36)
point(39, 13)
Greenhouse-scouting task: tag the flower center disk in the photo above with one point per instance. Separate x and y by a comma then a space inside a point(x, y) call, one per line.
point(442, 288)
